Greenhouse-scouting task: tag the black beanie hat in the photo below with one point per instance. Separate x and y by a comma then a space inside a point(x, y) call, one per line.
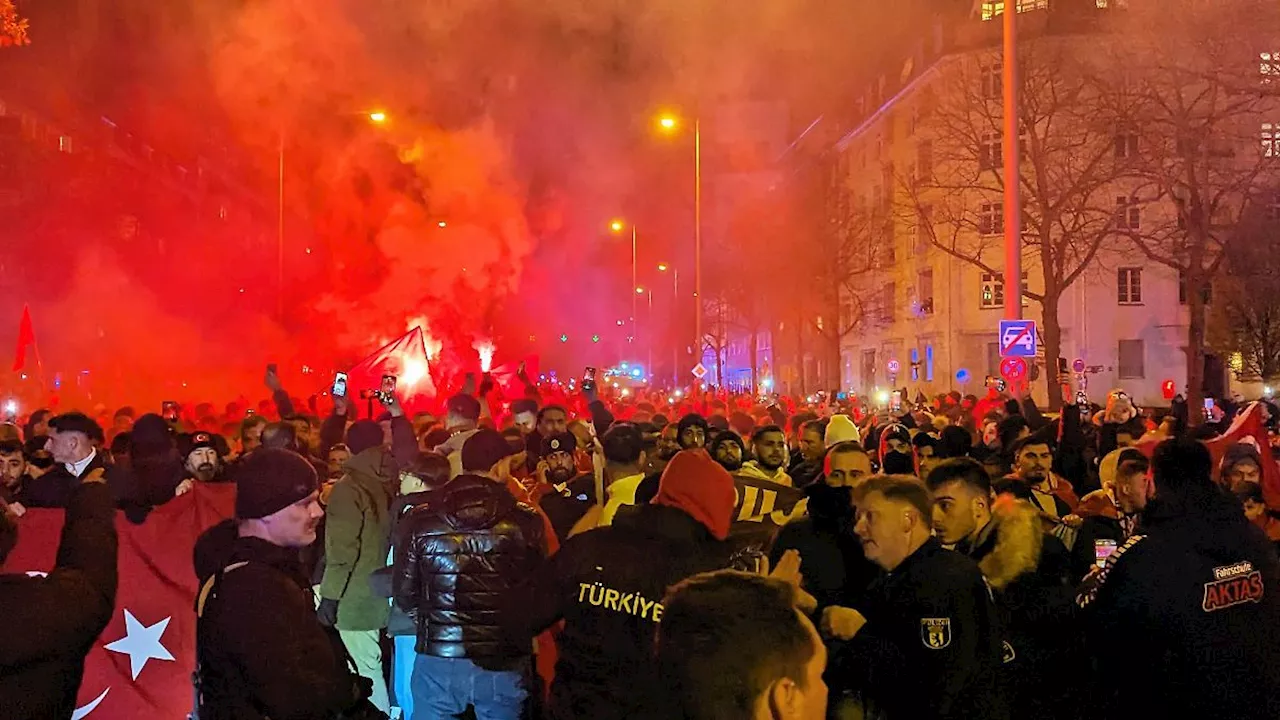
point(362, 435)
point(483, 450)
point(271, 480)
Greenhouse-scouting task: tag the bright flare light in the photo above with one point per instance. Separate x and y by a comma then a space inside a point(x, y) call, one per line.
point(485, 348)
point(617, 226)
point(626, 392)
point(414, 370)
point(678, 393)
point(667, 122)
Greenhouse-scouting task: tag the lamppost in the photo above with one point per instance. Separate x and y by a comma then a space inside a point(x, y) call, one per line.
point(377, 117)
point(669, 123)
point(648, 328)
point(675, 302)
point(617, 226)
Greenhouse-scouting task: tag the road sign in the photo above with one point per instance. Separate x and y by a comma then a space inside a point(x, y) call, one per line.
point(962, 376)
point(1018, 338)
point(699, 371)
point(894, 366)
point(1078, 365)
point(1013, 369)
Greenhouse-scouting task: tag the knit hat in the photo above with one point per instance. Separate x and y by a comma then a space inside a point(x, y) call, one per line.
point(841, 429)
point(560, 442)
point(1238, 453)
point(362, 435)
point(271, 480)
point(483, 450)
point(697, 485)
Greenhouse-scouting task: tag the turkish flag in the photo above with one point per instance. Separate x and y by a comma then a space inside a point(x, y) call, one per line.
point(141, 665)
point(26, 336)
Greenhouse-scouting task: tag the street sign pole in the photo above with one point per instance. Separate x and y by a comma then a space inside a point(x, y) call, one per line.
point(1012, 200)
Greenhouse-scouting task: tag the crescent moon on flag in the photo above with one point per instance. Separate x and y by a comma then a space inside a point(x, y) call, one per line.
point(82, 712)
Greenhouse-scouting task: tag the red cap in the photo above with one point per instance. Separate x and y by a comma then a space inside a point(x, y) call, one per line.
point(701, 487)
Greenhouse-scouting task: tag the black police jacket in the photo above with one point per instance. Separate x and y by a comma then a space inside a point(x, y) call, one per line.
point(463, 551)
point(931, 647)
point(607, 585)
point(261, 651)
point(1184, 619)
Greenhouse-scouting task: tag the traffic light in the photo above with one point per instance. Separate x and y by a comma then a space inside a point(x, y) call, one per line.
point(1168, 389)
point(595, 338)
point(564, 338)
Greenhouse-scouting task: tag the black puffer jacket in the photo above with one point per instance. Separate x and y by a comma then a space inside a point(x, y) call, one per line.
point(465, 550)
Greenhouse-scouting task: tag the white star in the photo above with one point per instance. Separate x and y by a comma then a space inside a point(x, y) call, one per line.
point(141, 643)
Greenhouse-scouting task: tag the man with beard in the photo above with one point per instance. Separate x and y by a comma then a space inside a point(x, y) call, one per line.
point(728, 450)
point(769, 445)
point(692, 432)
point(570, 494)
point(1033, 462)
point(201, 461)
point(13, 474)
point(338, 456)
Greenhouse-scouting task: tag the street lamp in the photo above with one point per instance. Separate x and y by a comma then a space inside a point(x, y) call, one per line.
point(669, 123)
point(377, 117)
point(675, 303)
point(617, 226)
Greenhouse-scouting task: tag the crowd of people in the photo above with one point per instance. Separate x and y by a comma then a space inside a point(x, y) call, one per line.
point(573, 555)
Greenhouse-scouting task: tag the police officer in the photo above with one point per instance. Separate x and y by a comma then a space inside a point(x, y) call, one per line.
point(261, 651)
point(925, 641)
point(607, 585)
point(1184, 618)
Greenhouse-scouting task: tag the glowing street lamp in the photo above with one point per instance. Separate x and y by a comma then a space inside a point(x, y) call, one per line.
point(668, 123)
point(377, 116)
point(617, 226)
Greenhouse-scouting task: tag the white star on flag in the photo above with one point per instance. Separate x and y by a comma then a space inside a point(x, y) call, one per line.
point(141, 643)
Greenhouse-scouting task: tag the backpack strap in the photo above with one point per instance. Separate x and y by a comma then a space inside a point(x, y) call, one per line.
point(207, 589)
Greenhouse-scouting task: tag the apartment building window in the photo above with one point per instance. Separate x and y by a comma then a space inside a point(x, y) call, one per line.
point(1129, 286)
point(991, 80)
point(887, 302)
point(1128, 213)
point(1270, 66)
point(991, 219)
point(1206, 292)
point(924, 161)
point(1273, 207)
point(924, 229)
point(869, 368)
point(924, 289)
point(990, 151)
point(1131, 363)
point(1271, 140)
point(991, 293)
point(993, 9)
point(928, 362)
point(1126, 145)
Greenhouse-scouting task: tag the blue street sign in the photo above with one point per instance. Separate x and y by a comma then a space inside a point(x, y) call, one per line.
point(962, 376)
point(1018, 338)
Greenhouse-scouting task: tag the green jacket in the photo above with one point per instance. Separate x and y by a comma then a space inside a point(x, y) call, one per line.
point(357, 534)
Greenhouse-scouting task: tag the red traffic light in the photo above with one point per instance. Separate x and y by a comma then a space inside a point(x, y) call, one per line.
point(1168, 389)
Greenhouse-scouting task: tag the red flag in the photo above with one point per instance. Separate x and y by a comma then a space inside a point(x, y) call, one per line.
point(141, 665)
point(26, 336)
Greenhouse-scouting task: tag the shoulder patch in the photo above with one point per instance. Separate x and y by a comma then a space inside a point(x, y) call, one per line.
point(935, 633)
point(1091, 588)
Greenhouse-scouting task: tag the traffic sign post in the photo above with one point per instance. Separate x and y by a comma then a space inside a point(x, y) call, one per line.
point(1077, 365)
point(1018, 338)
point(1013, 369)
point(893, 366)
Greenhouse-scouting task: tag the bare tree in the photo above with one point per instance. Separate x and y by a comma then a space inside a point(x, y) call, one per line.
point(1245, 306)
point(953, 192)
point(1197, 91)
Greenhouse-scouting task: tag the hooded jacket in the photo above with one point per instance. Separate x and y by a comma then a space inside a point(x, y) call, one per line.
point(1188, 613)
point(1031, 584)
point(607, 586)
point(464, 550)
point(357, 537)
